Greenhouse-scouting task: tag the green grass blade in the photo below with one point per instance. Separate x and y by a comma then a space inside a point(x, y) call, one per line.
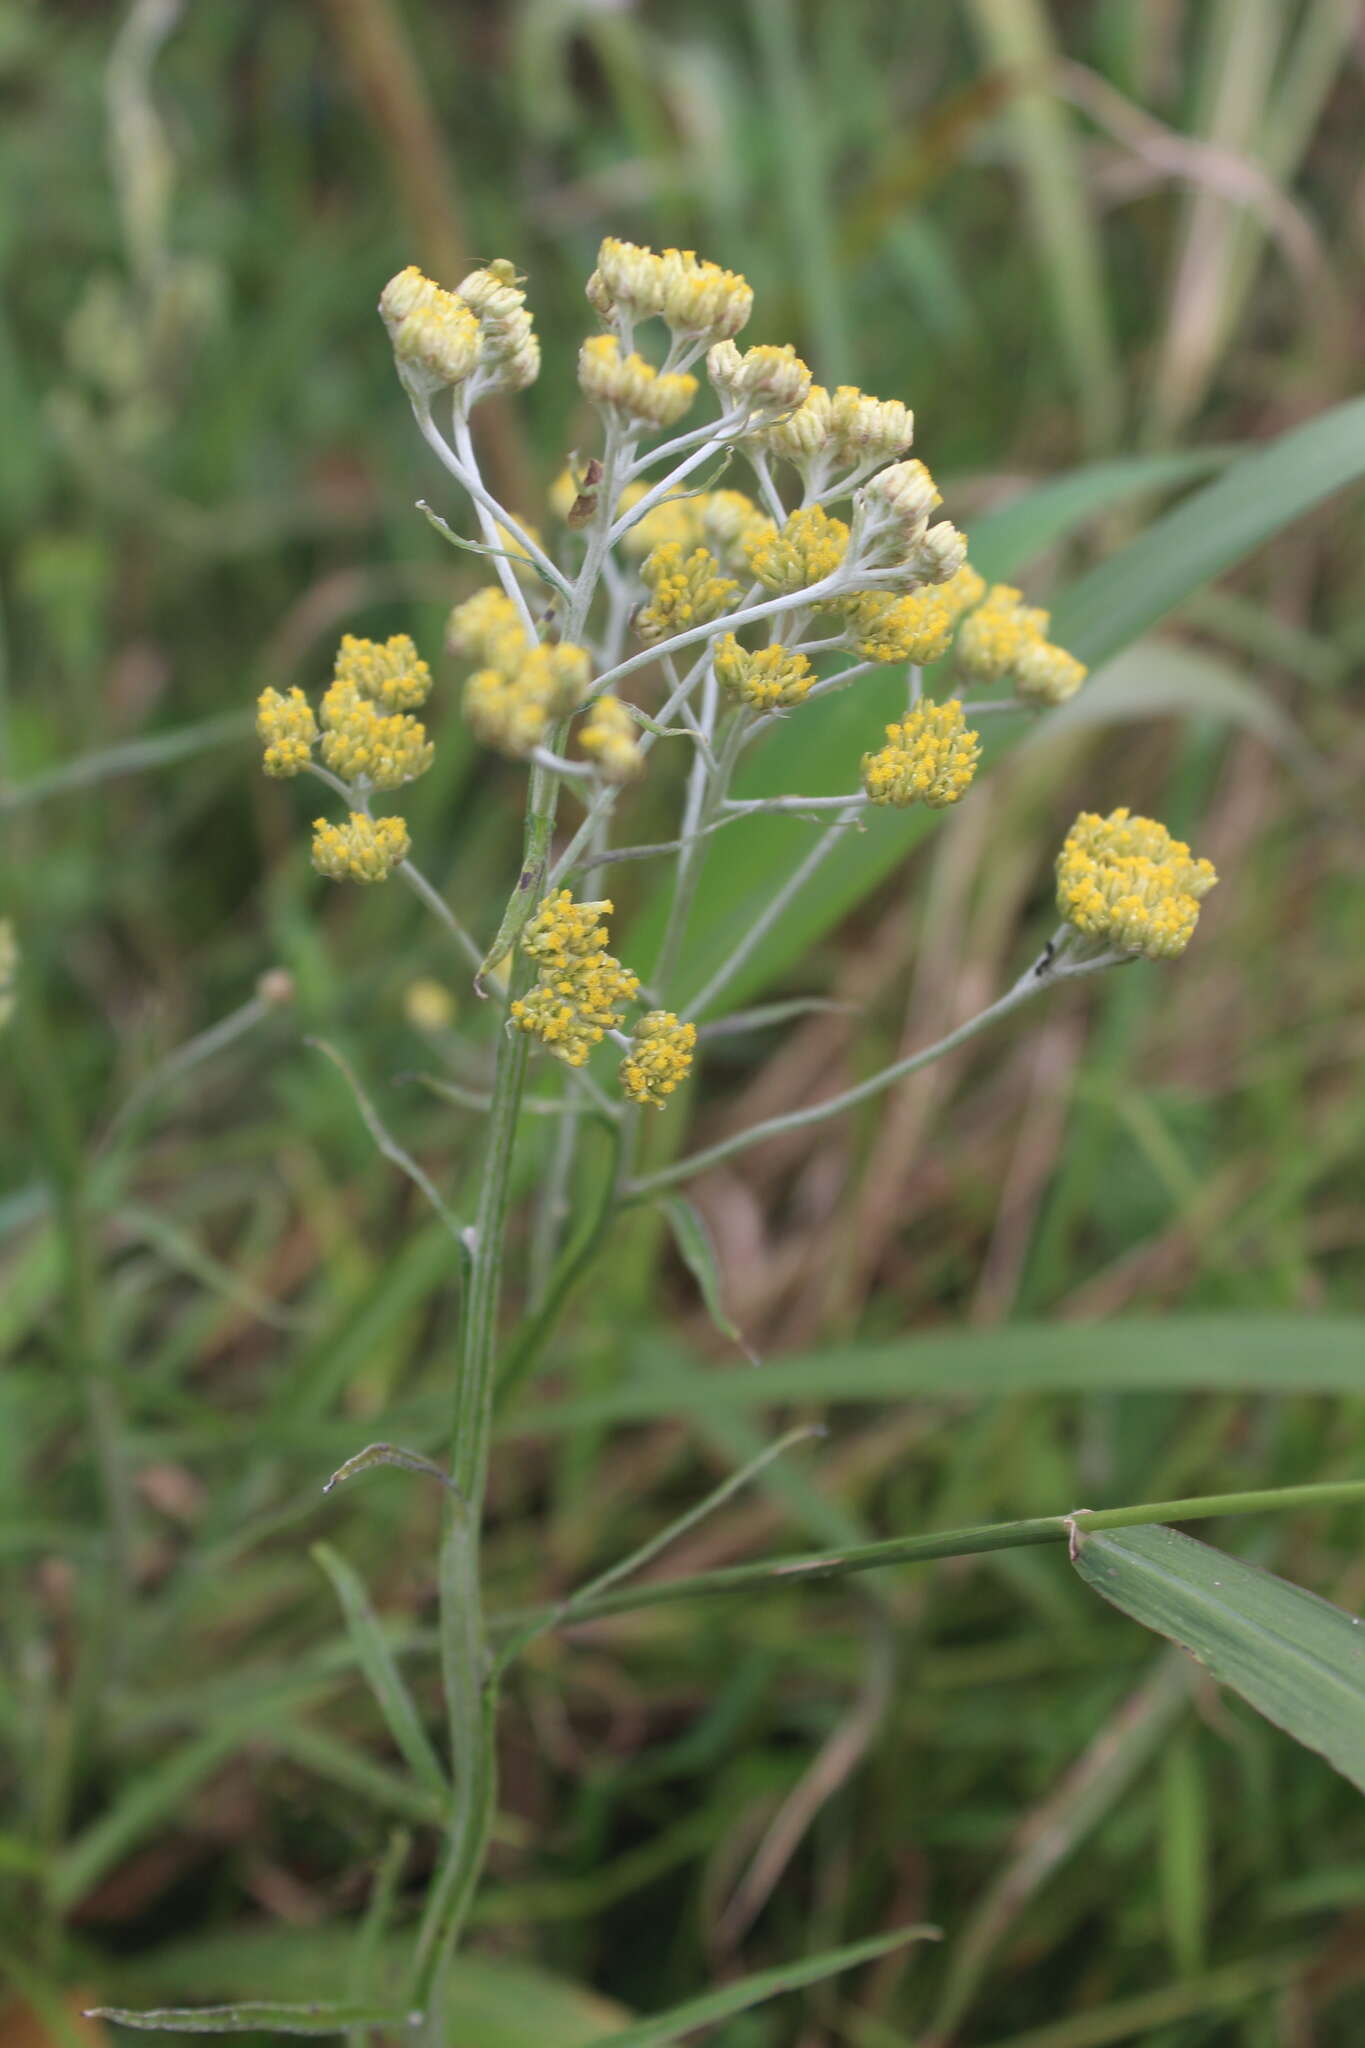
point(1251, 502)
point(259, 2017)
point(751, 1991)
point(1240, 1354)
point(1294, 1657)
point(381, 1671)
point(1016, 37)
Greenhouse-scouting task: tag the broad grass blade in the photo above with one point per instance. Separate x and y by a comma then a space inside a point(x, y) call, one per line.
point(1297, 1659)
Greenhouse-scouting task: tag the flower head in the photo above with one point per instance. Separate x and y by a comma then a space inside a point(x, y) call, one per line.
point(697, 298)
point(610, 738)
point(1006, 637)
point(512, 703)
point(509, 354)
point(287, 726)
point(803, 434)
point(630, 386)
point(361, 743)
point(435, 336)
point(486, 628)
point(392, 673)
point(891, 515)
point(364, 849)
point(1123, 882)
point(765, 678)
point(581, 990)
point(866, 429)
point(918, 626)
point(763, 382)
point(929, 758)
point(687, 590)
point(809, 546)
point(660, 1058)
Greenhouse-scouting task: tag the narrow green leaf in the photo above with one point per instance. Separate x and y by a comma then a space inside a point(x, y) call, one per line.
point(1232, 1353)
point(1161, 679)
point(749, 1991)
point(698, 1255)
point(257, 2018)
point(1297, 1659)
point(382, 1674)
point(1248, 505)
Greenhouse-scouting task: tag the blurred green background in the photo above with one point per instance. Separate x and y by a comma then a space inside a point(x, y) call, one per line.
point(1108, 243)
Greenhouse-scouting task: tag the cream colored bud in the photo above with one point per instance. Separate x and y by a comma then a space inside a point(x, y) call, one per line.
point(939, 555)
point(435, 337)
point(765, 381)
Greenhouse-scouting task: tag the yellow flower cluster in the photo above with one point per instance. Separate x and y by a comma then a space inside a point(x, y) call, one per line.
point(434, 334)
point(362, 744)
point(581, 990)
point(486, 628)
point(1124, 882)
point(726, 522)
point(519, 691)
point(630, 386)
point(289, 730)
point(393, 674)
point(765, 382)
point(806, 549)
point(366, 733)
point(929, 758)
point(918, 627)
point(364, 849)
point(1006, 637)
point(687, 590)
point(610, 738)
point(847, 427)
point(692, 296)
point(509, 354)
point(765, 678)
point(660, 1058)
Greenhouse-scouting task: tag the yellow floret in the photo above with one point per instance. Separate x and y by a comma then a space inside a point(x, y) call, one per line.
point(611, 740)
point(806, 549)
point(287, 726)
point(660, 1058)
point(686, 590)
point(929, 758)
point(512, 706)
point(765, 678)
point(362, 850)
point(1123, 882)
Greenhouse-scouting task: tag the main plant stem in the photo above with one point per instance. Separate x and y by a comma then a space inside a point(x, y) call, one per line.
point(470, 1678)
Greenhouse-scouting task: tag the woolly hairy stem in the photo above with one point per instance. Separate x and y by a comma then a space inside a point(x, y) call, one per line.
point(470, 1683)
point(789, 601)
point(791, 888)
point(1044, 973)
point(467, 476)
point(656, 493)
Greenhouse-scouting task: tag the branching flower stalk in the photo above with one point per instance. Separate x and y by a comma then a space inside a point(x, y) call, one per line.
point(675, 610)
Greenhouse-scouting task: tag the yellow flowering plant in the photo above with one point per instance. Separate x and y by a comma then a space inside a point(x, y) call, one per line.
point(671, 611)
